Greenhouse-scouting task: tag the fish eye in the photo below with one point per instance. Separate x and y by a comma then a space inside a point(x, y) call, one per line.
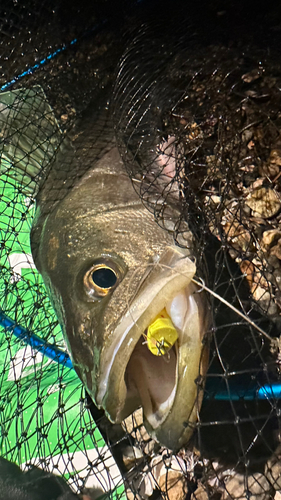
point(100, 280)
point(104, 277)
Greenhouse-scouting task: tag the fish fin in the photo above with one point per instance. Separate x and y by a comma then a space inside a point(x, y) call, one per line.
point(30, 136)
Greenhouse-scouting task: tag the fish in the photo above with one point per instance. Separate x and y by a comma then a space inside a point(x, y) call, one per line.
point(111, 272)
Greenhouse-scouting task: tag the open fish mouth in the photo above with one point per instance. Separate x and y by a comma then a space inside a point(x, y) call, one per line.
point(156, 372)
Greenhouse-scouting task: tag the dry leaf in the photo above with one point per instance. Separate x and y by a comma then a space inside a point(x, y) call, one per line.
point(264, 201)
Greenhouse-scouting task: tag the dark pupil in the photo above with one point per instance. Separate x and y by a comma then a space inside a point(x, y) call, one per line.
point(104, 277)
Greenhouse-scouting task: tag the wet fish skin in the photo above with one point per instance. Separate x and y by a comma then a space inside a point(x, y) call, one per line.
point(88, 214)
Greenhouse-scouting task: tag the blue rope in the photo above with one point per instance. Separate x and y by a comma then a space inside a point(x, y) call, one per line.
point(30, 70)
point(43, 61)
point(50, 350)
point(267, 391)
point(270, 391)
point(58, 51)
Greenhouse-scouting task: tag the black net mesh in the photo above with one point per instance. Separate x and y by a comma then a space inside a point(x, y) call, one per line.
point(194, 96)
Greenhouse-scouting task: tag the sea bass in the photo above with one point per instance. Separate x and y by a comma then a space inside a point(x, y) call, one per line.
point(132, 318)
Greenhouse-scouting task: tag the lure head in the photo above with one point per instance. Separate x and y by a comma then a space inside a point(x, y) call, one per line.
point(161, 335)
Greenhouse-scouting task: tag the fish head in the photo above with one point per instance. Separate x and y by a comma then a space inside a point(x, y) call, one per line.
point(110, 270)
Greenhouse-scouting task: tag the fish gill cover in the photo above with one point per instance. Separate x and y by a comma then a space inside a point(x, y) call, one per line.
point(194, 95)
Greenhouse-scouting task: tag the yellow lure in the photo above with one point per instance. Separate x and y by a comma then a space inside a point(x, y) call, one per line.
point(161, 334)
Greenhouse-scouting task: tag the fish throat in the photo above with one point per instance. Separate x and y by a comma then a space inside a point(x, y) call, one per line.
point(151, 374)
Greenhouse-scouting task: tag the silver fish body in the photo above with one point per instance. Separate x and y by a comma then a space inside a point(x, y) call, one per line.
point(110, 270)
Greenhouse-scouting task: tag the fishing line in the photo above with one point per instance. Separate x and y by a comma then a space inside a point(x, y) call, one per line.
point(242, 315)
point(202, 286)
